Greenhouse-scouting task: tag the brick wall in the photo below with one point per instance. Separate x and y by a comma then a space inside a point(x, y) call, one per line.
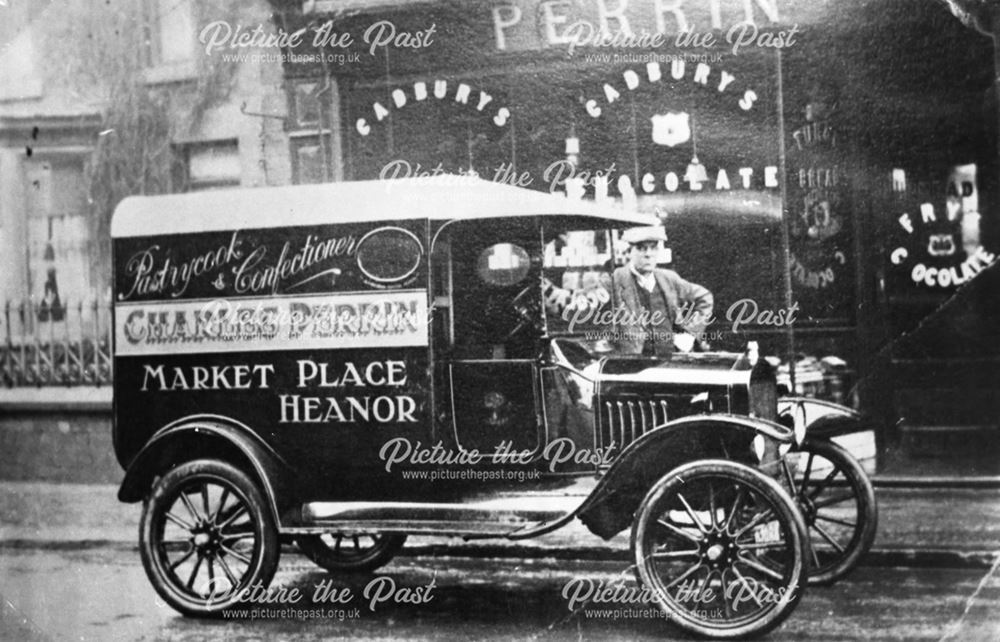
point(59, 435)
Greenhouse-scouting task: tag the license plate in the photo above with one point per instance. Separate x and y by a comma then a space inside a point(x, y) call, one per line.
point(767, 533)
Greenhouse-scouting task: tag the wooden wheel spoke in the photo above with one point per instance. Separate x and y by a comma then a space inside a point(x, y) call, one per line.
point(788, 475)
point(240, 556)
point(182, 559)
point(222, 504)
point(226, 537)
point(190, 507)
point(745, 581)
point(760, 568)
point(834, 520)
point(821, 486)
point(736, 506)
point(754, 522)
point(679, 532)
point(204, 500)
point(725, 594)
point(174, 543)
point(177, 520)
point(691, 514)
point(238, 510)
point(228, 571)
point(830, 540)
point(711, 507)
point(194, 573)
point(705, 582)
point(683, 576)
point(764, 546)
point(805, 475)
point(675, 554)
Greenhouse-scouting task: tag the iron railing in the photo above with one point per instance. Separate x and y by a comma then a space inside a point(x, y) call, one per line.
point(56, 344)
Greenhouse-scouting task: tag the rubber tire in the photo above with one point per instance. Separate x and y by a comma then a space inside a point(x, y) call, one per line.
point(317, 550)
point(267, 549)
point(867, 517)
point(791, 521)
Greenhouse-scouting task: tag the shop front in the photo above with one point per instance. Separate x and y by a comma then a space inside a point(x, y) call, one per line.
point(783, 144)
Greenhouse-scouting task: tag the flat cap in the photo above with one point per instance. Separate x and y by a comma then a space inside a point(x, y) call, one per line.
point(636, 235)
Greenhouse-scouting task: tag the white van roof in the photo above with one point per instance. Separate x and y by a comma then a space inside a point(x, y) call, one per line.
point(439, 198)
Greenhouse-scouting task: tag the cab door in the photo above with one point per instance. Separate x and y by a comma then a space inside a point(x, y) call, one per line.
point(487, 333)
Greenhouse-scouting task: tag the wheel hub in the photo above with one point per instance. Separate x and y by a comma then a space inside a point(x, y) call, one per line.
point(808, 508)
point(206, 538)
point(718, 550)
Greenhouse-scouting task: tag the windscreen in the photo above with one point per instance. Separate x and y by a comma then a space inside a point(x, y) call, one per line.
point(576, 283)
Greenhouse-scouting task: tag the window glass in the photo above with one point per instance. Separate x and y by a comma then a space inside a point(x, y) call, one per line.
point(576, 283)
point(503, 264)
point(214, 164)
point(58, 235)
point(175, 37)
point(311, 159)
point(306, 104)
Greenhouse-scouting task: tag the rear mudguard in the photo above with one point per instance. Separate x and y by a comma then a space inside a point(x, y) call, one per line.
point(609, 508)
point(822, 419)
point(214, 437)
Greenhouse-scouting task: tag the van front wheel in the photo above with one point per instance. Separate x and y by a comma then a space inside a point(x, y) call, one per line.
point(721, 548)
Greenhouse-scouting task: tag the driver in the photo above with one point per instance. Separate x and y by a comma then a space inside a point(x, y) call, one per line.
point(662, 311)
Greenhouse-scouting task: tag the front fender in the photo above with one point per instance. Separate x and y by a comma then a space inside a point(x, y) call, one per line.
point(213, 437)
point(609, 508)
point(818, 418)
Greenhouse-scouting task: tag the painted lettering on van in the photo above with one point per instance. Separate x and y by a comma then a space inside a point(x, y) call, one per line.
point(172, 326)
point(382, 409)
point(172, 277)
point(307, 322)
point(231, 377)
point(357, 319)
point(255, 274)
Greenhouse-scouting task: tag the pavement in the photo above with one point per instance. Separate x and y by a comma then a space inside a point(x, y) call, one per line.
point(939, 526)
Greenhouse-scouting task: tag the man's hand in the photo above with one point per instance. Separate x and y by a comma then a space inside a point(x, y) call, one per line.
point(683, 341)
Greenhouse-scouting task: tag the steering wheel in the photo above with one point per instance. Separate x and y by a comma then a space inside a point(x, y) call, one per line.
point(527, 305)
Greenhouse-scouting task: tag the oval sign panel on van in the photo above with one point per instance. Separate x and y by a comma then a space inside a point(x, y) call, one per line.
point(389, 254)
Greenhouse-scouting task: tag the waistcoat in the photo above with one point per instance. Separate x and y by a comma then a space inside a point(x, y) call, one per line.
point(658, 336)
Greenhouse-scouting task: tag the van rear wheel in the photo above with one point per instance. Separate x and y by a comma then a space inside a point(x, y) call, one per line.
point(206, 537)
point(351, 552)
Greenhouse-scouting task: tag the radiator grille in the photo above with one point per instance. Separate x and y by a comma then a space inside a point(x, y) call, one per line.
point(625, 420)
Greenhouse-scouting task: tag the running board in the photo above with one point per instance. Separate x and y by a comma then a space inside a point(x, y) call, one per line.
point(494, 517)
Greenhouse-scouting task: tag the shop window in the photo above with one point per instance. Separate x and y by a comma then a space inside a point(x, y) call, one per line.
point(58, 235)
point(169, 30)
point(212, 165)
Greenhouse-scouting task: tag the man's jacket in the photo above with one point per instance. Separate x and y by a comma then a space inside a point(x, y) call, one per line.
point(689, 307)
